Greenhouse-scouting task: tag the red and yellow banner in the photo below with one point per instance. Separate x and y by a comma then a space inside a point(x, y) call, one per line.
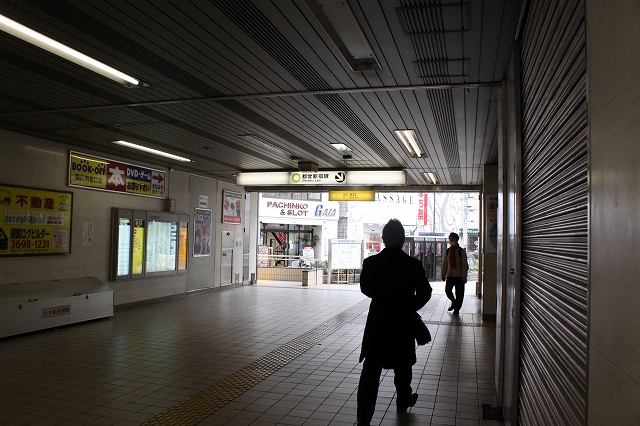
point(34, 221)
point(100, 173)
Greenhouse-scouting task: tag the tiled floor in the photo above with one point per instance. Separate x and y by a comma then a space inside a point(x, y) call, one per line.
point(269, 354)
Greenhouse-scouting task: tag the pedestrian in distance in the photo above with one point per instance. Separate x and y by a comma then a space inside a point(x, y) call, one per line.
point(398, 287)
point(454, 271)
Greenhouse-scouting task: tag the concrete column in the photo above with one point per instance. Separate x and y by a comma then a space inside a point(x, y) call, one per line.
point(489, 261)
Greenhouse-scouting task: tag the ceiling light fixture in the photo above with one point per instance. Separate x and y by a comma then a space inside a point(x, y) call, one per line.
point(341, 25)
point(410, 141)
point(340, 147)
point(432, 178)
point(30, 36)
point(266, 145)
point(151, 150)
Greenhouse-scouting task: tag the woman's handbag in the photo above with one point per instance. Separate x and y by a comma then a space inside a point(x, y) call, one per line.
point(423, 336)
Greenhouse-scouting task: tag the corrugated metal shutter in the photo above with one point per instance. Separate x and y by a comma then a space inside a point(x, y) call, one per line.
point(553, 351)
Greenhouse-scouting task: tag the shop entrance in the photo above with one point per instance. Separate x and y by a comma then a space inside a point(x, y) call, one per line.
point(429, 250)
point(285, 240)
point(301, 230)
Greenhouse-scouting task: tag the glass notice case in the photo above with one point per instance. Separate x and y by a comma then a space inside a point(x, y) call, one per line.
point(146, 244)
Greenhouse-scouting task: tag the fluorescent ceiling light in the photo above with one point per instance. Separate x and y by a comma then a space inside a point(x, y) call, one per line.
point(266, 145)
point(376, 177)
point(151, 150)
point(44, 42)
point(410, 140)
point(353, 177)
point(340, 147)
point(262, 178)
point(432, 178)
point(341, 25)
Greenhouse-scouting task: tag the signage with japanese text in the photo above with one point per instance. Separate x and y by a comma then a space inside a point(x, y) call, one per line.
point(34, 221)
point(100, 173)
point(317, 178)
point(352, 195)
point(423, 212)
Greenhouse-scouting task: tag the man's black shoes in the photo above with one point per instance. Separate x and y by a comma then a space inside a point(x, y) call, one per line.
point(412, 402)
point(450, 308)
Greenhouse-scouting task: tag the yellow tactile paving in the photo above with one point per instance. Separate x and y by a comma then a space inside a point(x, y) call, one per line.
point(206, 402)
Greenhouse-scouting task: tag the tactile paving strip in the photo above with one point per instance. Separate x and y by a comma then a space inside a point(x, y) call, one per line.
point(429, 307)
point(206, 402)
point(463, 324)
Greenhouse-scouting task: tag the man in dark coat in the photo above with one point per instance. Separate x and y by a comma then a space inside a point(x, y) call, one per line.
point(398, 287)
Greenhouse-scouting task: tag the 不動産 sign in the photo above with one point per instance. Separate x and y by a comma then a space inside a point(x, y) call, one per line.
point(34, 221)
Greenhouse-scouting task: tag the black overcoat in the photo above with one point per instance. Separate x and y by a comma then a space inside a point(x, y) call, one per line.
point(398, 287)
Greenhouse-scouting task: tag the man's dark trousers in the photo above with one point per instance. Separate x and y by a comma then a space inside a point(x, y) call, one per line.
point(459, 286)
point(370, 382)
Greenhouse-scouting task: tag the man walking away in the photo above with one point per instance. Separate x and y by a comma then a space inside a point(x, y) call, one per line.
point(398, 287)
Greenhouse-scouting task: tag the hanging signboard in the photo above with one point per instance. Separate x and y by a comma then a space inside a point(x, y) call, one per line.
point(34, 221)
point(231, 207)
point(87, 171)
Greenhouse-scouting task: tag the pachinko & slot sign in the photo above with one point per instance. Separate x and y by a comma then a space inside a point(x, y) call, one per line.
point(34, 221)
point(108, 175)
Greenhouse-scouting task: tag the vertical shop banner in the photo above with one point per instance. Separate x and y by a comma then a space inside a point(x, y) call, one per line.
point(87, 171)
point(423, 212)
point(34, 221)
point(137, 256)
point(182, 253)
point(202, 233)
point(231, 207)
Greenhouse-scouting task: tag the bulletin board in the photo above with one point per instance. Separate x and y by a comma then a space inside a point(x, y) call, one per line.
point(346, 254)
point(147, 244)
point(34, 221)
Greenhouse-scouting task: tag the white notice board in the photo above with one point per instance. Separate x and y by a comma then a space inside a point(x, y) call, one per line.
point(346, 254)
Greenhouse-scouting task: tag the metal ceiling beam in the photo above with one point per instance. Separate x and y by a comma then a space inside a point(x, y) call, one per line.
point(394, 188)
point(257, 96)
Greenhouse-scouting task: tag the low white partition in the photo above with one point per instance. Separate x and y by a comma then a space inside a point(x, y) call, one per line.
point(39, 305)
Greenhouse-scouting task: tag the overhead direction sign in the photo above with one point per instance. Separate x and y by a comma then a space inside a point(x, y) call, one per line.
point(352, 195)
point(323, 178)
point(317, 178)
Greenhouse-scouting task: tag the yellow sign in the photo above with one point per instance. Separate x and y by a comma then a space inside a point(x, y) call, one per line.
point(34, 221)
point(182, 254)
point(88, 171)
point(138, 246)
point(352, 195)
point(108, 175)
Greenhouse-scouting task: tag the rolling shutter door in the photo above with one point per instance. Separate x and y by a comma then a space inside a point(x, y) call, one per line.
point(553, 351)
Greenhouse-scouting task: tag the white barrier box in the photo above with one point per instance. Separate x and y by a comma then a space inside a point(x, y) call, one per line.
point(39, 305)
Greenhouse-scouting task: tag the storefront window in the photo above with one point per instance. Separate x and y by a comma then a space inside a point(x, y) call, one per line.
point(314, 196)
point(287, 240)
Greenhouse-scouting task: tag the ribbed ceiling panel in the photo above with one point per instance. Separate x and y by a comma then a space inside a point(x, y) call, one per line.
point(194, 52)
point(423, 22)
point(109, 37)
point(247, 16)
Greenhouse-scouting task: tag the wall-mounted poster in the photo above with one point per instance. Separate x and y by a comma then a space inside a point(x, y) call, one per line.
point(34, 221)
point(92, 172)
point(231, 207)
point(202, 233)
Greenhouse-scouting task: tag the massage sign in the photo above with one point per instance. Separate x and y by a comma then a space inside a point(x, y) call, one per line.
point(34, 221)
